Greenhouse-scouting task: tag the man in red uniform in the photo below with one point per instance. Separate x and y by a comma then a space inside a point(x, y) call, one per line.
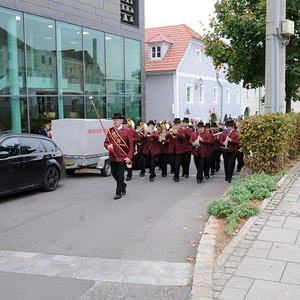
point(230, 147)
point(201, 141)
point(151, 148)
point(119, 143)
point(186, 159)
point(210, 150)
point(163, 143)
point(175, 138)
point(215, 162)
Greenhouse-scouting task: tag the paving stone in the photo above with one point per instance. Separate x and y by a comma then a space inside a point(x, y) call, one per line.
point(220, 282)
point(229, 270)
point(285, 252)
point(235, 258)
point(274, 224)
point(277, 218)
point(278, 235)
point(258, 252)
point(292, 223)
point(262, 245)
point(232, 293)
point(267, 290)
point(240, 282)
point(289, 206)
point(260, 268)
point(292, 273)
point(231, 264)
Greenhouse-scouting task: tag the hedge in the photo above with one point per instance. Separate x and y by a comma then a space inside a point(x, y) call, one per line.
point(268, 141)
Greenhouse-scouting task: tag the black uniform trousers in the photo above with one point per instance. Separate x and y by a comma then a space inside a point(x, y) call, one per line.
point(215, 161)
point(117, 170)
point(229, 163)
point(177, 162)
point(199, 163)
point(240, 160)
point(150, 161)
point(186, 161)
point(163, 161)
point(129, 172)
point(142, 163)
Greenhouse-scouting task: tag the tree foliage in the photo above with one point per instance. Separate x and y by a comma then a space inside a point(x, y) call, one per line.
point(237, 41)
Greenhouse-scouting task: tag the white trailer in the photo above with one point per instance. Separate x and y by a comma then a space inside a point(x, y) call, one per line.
point(82, 142)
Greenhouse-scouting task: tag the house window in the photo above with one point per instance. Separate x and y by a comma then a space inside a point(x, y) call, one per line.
point(198, 56)
point(156, 52)
point(202, 94)
point(189, 93)
point(43, 59)
point(216, 95)
point(237, 96)
point(227, 96)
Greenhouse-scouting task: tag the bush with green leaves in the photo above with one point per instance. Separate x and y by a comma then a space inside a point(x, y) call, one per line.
point(261, 194)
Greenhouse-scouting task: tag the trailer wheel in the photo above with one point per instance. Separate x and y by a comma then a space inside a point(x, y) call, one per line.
point(70, 172)
point(106, 171)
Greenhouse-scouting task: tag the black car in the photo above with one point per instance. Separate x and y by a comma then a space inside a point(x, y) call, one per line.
point(29, 161)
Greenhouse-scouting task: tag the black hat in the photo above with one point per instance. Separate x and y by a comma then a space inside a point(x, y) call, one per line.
point(207, 125)
point(186, 120)
point(200, 124)
point(214, 124)
point(177, 120)
point(230, 123)
point(151, 122)
point(118, 116)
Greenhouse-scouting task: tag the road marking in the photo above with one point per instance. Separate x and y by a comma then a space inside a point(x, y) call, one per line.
point(97, 269)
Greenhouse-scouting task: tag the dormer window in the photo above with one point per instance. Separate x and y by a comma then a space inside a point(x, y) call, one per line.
point(156, 52)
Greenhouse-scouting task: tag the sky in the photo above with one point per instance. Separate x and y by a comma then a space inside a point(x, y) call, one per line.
point(172, 12)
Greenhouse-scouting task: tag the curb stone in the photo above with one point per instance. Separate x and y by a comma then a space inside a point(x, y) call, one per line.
point(210, 276)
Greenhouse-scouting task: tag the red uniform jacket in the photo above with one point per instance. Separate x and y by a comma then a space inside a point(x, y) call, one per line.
point(233, 146)
point(118, 155)
point(151, 144)
point(187, 145)
point(177, 143)
point(204, 150)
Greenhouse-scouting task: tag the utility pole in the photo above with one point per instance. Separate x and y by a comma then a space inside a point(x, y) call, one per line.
point(275, 57)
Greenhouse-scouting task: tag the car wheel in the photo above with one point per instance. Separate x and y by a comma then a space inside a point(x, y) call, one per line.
point(70, 171)
point(106, 171)
point(51, 179)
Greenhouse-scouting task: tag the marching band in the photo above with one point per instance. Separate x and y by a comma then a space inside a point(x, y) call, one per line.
point(161, 143)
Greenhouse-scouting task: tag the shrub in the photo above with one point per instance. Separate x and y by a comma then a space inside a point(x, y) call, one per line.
point(220, 208)
point(262, 194)
point(239, 192)
point(269, 140)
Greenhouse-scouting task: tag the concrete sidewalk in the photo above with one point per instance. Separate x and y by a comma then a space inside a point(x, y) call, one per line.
point(265, 262)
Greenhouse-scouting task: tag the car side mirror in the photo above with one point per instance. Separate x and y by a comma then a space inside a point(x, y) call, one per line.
point(4, 154)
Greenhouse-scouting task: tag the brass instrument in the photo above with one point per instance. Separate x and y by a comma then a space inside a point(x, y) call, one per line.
point(141, 130)
point(174, 131)
point(130, 124)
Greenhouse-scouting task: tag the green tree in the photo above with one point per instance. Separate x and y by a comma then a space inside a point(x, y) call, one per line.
point(237, 41)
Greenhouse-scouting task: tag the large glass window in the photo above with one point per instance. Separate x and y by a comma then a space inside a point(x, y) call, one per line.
point(42, 110)
point(13, 115)
point(12, 70)
point(93, 44)
point(69, 50)
point(132, 67)
point(100, 103)
point(114, 64)
point(73, 107)
point(133, 108)
point(41, 55)
point(115, 104)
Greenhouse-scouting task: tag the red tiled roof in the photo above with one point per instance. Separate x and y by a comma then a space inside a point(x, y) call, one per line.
point(160, 38)
point(181, 36)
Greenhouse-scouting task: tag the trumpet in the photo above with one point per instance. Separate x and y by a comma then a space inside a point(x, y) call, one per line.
point(174, 131)
point(130, 124)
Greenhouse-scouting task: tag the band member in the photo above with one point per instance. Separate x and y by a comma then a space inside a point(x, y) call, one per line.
point(119, 143)
point(186, 159)
point(151, 148)
point(163, 157)
point(141, 131)
point(216, 155)
point(175, 138)
point(201, 141)
point(230, 146)
point(240, 155)
point(130, 125)
point(209, 146)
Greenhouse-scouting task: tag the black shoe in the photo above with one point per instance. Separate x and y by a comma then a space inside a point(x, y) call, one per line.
point(151, 179)
point(229, 180)
point(172, 172)
point(206, 177)
point(176, 179)
point(164, 175)
point(124, 190)
point(217, 170)
point(117, 197)
point(128, 178)
point(199, 181)
point(212, 173)
point(226, 179)
point(142, 174)
point(182, 175)
point(187, 176)
point(154, 175)
point(173, 178)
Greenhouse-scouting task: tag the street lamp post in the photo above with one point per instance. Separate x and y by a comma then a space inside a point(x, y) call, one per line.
point(275, 57)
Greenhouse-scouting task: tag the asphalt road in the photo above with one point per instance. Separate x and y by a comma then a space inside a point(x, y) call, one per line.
point(150, 230)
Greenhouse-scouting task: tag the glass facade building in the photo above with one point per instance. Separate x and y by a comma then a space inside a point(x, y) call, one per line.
point(49, 69)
